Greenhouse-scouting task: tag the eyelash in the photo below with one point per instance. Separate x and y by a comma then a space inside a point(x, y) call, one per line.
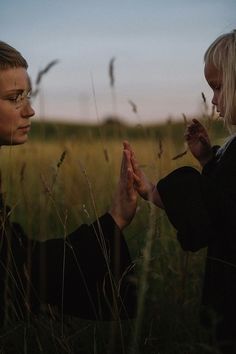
point(12, 99)
point(19, 97)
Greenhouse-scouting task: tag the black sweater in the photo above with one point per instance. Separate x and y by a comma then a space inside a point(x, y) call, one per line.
point(202, 208)
point(87, 275)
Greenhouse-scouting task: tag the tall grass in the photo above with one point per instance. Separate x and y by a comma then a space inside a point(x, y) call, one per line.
point(47, 187)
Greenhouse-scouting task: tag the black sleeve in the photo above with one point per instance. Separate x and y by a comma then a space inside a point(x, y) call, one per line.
point(181, 194)
point(90, 274)
point(202, 206)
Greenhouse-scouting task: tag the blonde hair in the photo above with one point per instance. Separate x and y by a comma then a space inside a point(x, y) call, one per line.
point(222, 54)
point(10, 57)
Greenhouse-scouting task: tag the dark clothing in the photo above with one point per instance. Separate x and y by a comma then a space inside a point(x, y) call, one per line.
point(202, 207)
point(86, 275)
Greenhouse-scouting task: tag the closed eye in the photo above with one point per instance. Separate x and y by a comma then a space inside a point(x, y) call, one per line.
point(17, 97)
point(13, 98)
point(23, 95)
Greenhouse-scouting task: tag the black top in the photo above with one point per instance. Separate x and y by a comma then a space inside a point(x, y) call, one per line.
point(202, 207)
point(87, 275)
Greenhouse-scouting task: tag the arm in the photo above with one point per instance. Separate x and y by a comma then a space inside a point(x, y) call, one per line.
point(90, 273)
point(179, 194)
point(182, 194)
point(202, 206)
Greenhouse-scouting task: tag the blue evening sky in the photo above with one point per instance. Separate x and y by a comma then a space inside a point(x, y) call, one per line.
point(158, 48)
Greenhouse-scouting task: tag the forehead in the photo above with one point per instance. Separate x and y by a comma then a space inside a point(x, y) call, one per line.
point(14, 79)
point(212, 74)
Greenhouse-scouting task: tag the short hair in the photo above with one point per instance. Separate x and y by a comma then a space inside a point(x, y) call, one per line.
point(10, 57)
point(222, 54)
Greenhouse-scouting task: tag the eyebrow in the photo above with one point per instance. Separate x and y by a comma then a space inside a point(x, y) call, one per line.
point(14, 91)
point(17, 91)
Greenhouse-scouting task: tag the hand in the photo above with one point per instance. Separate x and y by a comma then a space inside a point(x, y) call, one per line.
point(198, 142)
point(125, 201)
point(146, 189)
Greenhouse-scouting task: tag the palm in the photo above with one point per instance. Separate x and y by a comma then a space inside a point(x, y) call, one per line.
point(198, 140)
point(125, 201)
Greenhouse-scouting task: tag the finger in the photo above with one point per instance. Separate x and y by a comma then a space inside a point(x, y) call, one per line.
point(187, 137)
point(126, 165)
point(130, 180)
point(137, 180)
point(135, 164)
point(127, 145)
point(196, 121)
point(193, 127)
point(129, 185)
point(125, 158)
point(203, 140)
point(122, 163)
point(190, 130)
point(198, 124)
point(191, 133)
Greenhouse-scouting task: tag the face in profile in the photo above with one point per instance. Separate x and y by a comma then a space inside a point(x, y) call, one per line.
point(214, 79)
point(15, 108)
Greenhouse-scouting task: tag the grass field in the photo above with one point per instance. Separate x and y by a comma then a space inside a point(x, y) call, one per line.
point(50, 183)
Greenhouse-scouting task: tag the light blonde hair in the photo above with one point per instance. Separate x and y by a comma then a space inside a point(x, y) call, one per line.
point(222, 54)
point(10, 57)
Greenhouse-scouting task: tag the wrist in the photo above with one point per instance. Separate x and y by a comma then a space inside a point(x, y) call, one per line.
point(156, 198)
point(203, 161)
point(149, 195)
point(120, 222)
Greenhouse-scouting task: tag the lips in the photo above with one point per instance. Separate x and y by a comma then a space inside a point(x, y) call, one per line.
point(25, 127)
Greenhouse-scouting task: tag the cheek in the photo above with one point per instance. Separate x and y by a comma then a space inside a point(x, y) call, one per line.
point(8, 120)
point(217, 98)
point(221, 100)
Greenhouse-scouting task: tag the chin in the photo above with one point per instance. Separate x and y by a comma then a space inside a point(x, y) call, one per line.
point(15, 142)
point(20, 142)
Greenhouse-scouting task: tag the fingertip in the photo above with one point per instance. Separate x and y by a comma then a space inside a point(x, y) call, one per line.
point(126, 144)
point(195, 121)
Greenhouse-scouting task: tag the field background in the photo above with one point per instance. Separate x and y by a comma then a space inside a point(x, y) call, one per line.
point(50, 183)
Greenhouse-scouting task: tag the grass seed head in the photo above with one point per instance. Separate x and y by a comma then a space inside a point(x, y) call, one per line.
point(111, 72)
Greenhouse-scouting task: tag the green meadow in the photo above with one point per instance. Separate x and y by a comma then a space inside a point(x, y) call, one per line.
point(66, 175)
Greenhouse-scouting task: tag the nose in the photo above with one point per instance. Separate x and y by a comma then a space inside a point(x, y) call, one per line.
point(27, 111)
point(214, 100)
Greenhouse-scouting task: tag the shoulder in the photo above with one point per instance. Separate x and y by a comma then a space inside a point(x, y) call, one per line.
point(227, 154)
point(224, 158)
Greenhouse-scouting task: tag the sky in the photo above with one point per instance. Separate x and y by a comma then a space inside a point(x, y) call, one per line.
point(157, 46)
